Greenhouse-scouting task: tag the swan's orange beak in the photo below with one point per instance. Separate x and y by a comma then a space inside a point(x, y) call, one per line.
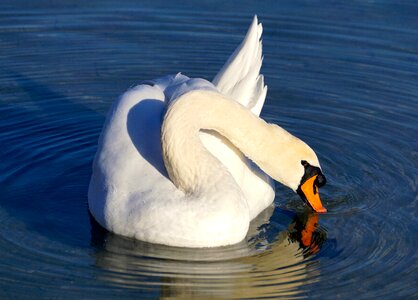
point(310, 190)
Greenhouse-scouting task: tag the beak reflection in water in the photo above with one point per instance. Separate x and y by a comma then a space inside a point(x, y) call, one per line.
point(270, 262)
point(305, 230)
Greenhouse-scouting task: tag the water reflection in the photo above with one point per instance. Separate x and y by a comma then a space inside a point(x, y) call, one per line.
point(342, 77)
point(257, 267)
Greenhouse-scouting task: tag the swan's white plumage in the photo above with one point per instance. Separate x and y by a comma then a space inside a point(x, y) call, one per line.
point(130, 193)
point(240, 77)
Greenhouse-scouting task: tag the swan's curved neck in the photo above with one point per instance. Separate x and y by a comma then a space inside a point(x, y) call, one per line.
point(190, 165)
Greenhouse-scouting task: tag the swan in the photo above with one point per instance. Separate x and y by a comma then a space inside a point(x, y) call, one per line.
point(187, 162)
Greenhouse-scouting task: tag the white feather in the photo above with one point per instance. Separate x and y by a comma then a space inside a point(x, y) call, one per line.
point(240, 77)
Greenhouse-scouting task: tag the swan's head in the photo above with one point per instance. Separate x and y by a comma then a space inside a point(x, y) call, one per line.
point(297, 167)
point(310, 182)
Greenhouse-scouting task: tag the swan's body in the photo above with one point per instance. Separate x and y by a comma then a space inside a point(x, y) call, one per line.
point(169, 168)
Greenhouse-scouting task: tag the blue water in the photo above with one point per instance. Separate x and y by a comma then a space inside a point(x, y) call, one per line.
point(341, 76)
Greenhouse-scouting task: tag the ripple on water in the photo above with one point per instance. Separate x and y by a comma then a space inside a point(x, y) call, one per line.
point(344, 83)
point(249, 269)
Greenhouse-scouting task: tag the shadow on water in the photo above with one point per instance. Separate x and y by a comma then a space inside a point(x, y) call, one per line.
point(144, 128)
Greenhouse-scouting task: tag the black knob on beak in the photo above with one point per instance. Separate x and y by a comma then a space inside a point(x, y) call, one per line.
point(320, 180)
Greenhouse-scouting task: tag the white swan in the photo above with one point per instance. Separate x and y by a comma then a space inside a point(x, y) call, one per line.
point(171, 165)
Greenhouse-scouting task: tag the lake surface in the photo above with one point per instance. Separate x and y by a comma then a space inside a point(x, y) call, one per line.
point(343, 77)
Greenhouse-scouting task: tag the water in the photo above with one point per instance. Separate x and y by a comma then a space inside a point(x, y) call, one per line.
point(343, 77)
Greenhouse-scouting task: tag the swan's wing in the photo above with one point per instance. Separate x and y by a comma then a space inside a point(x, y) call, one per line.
point(128, 164)
point(240, 77)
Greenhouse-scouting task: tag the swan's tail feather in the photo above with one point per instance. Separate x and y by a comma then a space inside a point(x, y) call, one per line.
point(240, 77)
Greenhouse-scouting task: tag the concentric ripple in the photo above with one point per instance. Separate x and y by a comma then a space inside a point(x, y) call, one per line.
point(342, 77)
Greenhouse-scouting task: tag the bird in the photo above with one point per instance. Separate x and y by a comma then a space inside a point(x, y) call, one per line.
point(187, 162)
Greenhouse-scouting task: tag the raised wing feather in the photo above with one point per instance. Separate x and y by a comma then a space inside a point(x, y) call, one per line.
point(240, 77)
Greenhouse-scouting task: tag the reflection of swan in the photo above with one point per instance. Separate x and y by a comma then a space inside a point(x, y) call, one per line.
point(200, 190)
point(244, 270)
